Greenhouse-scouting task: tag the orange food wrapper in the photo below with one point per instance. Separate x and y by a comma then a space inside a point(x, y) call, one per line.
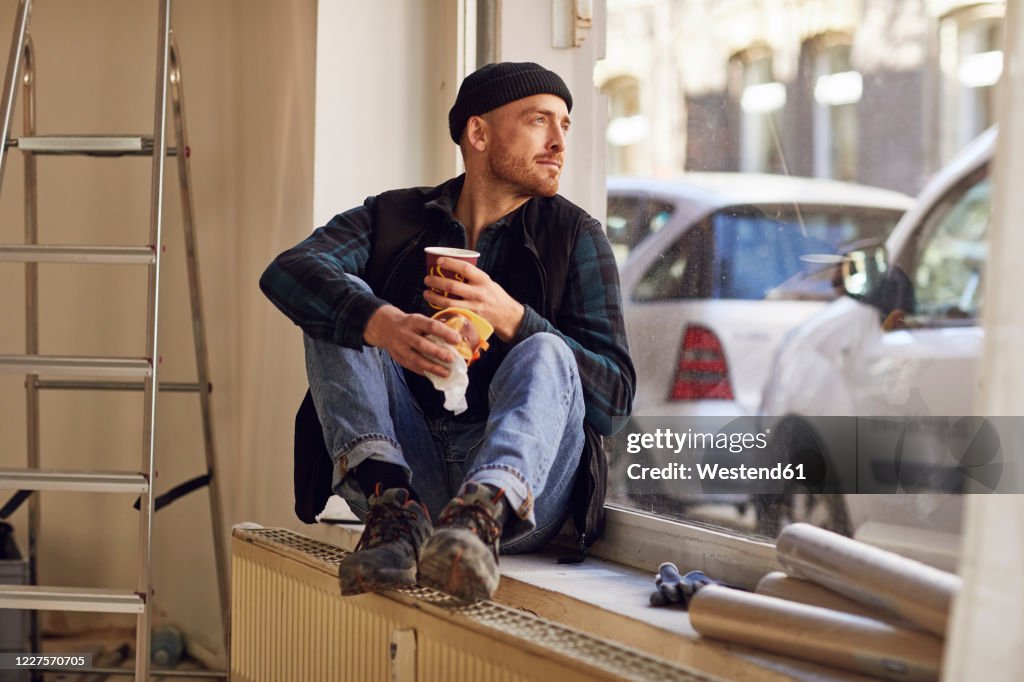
point(474, 338)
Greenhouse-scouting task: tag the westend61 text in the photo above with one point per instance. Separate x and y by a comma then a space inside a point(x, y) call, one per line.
point(716, 472)
point(667, 439)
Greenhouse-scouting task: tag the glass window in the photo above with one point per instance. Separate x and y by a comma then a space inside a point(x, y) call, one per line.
point(681, 271)
point(754, 253)
point(948, 277)
point(761, 100)
point(877, 95)
point(837, 90)
point(633, 217)
point(627, 127)
point(971, 59)
point(784, 253)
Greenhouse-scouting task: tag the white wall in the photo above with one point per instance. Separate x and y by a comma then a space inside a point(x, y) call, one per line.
point(384, 124)
point(385, 79)
point(526, 36)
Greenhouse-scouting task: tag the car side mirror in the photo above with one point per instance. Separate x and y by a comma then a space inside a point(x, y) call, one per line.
point(864, 272)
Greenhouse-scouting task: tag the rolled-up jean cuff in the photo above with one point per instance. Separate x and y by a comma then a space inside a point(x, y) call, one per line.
point(518, 494)
point(370, 446)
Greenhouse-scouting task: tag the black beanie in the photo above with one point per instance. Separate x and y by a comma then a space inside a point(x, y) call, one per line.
point(495, 85)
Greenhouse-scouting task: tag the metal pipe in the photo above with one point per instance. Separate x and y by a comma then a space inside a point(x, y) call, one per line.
point(10, 79)
point(199, 337)
point(142, 628)
point(69, 385)
point(31, 215)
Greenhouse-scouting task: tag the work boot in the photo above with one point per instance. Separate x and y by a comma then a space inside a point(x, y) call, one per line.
point(461, 557)
point(388, 550)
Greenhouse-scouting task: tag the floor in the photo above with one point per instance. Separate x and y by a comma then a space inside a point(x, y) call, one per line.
point(110, 649)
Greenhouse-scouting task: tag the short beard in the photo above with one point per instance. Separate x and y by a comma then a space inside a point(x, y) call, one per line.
point(519, 174)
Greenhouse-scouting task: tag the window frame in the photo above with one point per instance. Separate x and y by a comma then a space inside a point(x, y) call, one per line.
point(645, 541)
point(624, 96)
point(826, 164)
point(739, 64)
point(950, 27)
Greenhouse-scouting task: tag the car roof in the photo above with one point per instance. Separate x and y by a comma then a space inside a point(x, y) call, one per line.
point(723, 189)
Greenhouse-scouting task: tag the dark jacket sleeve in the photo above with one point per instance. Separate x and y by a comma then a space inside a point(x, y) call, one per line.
point(592, 325)
point(310, 282)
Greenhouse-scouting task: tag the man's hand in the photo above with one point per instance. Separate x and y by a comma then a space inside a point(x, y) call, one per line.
point(479, 293)
point(404, 338)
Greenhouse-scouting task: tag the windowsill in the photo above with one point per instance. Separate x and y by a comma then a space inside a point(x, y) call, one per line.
point(645, 541)
point(608, 599)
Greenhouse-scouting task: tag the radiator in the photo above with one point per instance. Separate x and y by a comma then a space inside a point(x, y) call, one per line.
point(290, 624)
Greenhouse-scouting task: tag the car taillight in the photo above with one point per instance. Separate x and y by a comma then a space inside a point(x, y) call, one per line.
point(701, 373)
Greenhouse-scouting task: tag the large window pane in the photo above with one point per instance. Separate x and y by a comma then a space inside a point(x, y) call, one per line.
point(781, 137)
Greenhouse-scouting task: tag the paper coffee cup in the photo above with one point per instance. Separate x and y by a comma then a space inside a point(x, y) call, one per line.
point(435, 252)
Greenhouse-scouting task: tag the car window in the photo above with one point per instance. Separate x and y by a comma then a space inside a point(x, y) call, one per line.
point(758, 252)
point(754, 253)
point(680, 271)
point(633, 217)
point(789, 252)
point(948, 276)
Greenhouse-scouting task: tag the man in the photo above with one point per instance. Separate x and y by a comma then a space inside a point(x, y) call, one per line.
point(558, 365)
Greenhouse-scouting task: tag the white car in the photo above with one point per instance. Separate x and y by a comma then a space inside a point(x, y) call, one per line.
point(720, 267)
point(906, 344)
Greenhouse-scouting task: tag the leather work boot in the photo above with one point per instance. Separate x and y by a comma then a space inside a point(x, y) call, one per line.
point(387, 553)
point(461, 557)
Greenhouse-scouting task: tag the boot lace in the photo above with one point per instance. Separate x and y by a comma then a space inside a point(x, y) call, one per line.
point(391, 523)
point(476, 517)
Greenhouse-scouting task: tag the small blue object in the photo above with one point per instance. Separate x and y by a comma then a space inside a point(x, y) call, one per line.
point(167, 646)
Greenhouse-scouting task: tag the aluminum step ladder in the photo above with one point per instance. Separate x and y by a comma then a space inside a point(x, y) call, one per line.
point(105, 374)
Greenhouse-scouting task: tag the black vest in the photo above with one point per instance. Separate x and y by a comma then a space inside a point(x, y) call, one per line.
point(545, 231)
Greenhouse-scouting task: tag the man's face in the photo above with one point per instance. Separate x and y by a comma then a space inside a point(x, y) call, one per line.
point(527, 146)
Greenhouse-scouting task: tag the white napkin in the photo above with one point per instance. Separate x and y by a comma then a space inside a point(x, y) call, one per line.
point(455, 384)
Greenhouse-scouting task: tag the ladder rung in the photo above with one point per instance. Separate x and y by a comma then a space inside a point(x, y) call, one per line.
point(88, 145)
point(86, 385)
point(81, 481)
point(51, 253)
point(41, 598)
point(75, 366)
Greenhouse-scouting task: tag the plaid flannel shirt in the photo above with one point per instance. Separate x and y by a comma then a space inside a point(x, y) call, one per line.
point(309, 284)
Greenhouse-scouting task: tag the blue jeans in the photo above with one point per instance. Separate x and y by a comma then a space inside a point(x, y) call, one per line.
point(530, 445)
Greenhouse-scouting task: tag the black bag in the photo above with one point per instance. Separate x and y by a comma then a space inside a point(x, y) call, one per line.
point(313, 466)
